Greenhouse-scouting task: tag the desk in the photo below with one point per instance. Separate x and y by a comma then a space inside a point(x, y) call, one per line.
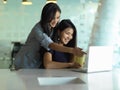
point(26, 79)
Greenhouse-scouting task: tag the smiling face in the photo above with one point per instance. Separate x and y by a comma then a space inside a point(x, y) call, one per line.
point(66, 35)
point(55, 20)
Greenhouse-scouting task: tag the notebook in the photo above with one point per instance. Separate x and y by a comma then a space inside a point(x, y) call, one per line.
point(98, 58)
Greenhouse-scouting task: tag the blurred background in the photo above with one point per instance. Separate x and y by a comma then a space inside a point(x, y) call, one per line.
point(97, 23)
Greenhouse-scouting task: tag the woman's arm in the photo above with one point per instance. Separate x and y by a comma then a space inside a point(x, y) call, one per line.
point(47, 43)
point(75, 51)
point(50, 64)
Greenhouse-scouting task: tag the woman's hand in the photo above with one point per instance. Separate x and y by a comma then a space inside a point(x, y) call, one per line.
point(78, 51)
point(74, 65)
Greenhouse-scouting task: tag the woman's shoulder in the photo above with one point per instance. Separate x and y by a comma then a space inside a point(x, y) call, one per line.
point(37, 27)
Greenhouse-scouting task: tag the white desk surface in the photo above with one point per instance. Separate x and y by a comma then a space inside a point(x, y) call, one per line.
point(26, 79)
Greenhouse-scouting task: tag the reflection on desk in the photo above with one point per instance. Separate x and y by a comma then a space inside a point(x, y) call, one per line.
point(27, 79)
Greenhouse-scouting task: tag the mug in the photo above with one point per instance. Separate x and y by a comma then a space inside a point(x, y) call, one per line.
point(80, 60)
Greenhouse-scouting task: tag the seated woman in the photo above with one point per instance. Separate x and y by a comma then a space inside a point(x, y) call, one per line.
point(52, 59)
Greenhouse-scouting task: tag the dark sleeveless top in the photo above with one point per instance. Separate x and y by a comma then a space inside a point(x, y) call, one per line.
point(60, 56)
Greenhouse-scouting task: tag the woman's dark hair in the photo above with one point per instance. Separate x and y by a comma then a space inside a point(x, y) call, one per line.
point(65, 23)
point(48, 13)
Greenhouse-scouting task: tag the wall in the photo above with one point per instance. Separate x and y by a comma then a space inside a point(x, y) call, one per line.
point(17, 20)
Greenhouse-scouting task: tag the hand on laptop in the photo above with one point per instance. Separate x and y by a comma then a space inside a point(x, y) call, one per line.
point(78, 51)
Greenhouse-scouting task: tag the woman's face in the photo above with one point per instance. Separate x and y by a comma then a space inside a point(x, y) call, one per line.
point(66, 35)
point(55, 20)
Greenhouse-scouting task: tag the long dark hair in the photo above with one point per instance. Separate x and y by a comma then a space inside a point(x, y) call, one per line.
point(48, 13)
point(65, 23)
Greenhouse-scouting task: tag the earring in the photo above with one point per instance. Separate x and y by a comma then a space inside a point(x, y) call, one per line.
point(58, 39)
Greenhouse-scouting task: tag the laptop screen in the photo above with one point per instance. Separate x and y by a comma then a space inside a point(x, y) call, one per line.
point(99, 58)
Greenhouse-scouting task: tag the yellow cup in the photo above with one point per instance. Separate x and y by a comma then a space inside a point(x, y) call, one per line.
point(80, 60)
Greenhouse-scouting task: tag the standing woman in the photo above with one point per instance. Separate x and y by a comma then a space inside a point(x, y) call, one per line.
point(40, 36)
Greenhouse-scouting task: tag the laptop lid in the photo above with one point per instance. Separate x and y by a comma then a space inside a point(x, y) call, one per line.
point(99, 58)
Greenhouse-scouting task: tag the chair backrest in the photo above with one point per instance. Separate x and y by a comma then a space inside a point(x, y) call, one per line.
point(16, 47)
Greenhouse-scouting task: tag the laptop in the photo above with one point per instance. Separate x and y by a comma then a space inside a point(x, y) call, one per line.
point(98, 58)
